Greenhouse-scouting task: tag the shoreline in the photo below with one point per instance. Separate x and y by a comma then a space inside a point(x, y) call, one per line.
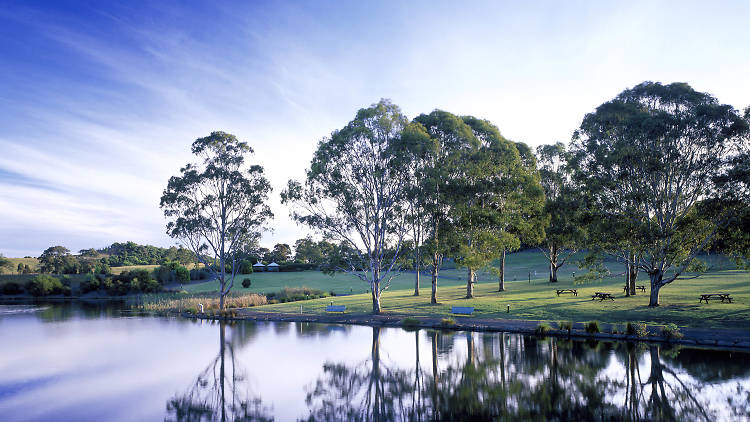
point(738, 340)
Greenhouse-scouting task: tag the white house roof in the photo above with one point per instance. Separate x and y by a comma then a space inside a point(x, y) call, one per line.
point(258, 264)
point(273, 264)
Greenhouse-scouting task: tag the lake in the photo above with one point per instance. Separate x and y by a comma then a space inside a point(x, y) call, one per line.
point(71, 362)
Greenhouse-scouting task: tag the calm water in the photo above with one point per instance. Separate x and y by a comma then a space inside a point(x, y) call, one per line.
point(73, 363)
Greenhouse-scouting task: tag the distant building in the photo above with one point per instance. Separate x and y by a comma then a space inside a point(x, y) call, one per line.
point(273, 267)
point(259, 267)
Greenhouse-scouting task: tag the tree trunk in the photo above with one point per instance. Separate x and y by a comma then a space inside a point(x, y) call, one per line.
point(376, 292)
point(501, 281)
point(470, 283)
point(416, 272)
point(632, 275)
point(656, 277)
point(627, 279)
point(553, 264)
point(435, 270)
point(222, 342)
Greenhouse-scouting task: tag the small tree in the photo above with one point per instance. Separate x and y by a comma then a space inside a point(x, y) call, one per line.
point(56, 259)
point(214, 207)
point(354, 193)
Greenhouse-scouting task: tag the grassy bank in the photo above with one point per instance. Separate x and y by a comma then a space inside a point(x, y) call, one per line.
point(538, 301)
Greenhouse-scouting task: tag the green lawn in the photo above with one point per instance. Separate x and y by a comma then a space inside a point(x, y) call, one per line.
point(538, 301)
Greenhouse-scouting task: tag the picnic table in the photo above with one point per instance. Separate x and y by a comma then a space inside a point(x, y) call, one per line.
point(723, 296)
point(601, 296)
point(641, 288)
point(563, 291)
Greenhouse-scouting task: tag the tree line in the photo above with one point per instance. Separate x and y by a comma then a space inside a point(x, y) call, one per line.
point(651, 178)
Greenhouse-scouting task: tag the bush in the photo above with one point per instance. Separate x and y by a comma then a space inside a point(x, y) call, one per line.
point(410, 322)
point(199, 274)
point(43, 285)
point(296, 266)
point(636, 329)
point(165, 274)
point(292, 294)
point(592, 327)
point(103, 268)
point(182, 274)
point(246, 267)
point(89, 284)
point(12, 288)
point(66, 280)
point(542, 329)
point(565, 326)
point(246, 283)
point(448, 322)
point(671, 332)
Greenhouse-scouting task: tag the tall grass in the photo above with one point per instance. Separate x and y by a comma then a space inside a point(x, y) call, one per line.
point(178, 303)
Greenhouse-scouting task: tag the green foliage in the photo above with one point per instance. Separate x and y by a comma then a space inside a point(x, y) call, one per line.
point(246, 267)
point(44, 285)
point(542, 329)
point(57, 259)
point(199, 274)
point(246, 283)
point(410, 322)
point(89, 284)
point(447, 322)
point(5, 263)
point(636, 329)
point(171, 272)
point(131, 253)
point(592, 327)
point(671, 332)
point(565, 326)
point(12, 288)
point(217, 206)
point(182, 274)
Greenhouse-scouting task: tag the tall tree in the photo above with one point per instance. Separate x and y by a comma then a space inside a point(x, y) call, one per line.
point(281, 252)
point(354, 193)
point(439, 139)
point(214, 206)
point(55, 259)
point(677, 143)
point(563, 208)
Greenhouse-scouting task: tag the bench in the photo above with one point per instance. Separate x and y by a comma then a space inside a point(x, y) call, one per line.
point(601, 296)
point(336, 308)
point(641, 288)
point(462, 310)
point(708, 296)
point(563, 291)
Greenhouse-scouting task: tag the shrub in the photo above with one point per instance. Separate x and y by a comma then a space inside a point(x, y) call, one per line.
point(565, 326)
point(43, 285)
point(182, 274)
point(246, 267)
point(292, 294)
point(65, 280)
point(448, 322)
point(592, 327)
point(199, 274)
point(103, 268)
point(89, 284)
point(150, 286)
point(671, 332)
point(246, 283)
point(542, 329)
point(636, 329)
point(67, 291)
point(410, 322)
point(165, 274)
point(12, 288)
point(296, 266)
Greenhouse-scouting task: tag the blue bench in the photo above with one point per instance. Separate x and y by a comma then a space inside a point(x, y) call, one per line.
point(336, 308)
point(462, 310)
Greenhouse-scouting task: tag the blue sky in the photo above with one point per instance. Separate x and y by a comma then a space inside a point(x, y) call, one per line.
point(99, 101)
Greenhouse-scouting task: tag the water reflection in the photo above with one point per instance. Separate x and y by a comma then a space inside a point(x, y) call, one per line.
point(511, 377)
point(220, 392)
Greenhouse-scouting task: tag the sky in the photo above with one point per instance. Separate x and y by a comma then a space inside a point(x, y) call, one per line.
point(100, 101)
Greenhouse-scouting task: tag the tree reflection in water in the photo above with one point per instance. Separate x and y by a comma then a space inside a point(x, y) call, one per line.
point(519, 378)
point(221, 392)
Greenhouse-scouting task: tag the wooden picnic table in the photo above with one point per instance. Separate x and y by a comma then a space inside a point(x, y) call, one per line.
point(708, 296)
point(641, 288)
point(563, 291)
point(601, 296)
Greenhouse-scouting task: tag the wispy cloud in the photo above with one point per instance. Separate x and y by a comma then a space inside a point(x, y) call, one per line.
point(99, 106)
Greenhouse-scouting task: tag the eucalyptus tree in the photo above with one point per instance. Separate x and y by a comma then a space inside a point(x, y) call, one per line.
point(215, 206)
point(495, 189)
point(677, 143)
point(440, 139)
point(354, 193)
point(563, 209)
